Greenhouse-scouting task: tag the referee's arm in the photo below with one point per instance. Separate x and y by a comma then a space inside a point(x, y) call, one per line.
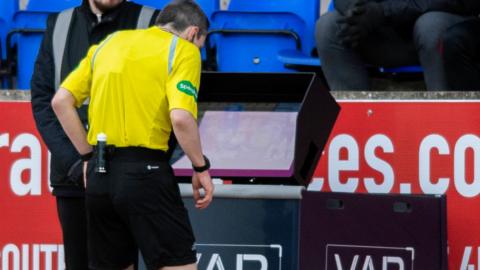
point(186, 131)
point(63, 104)
point(73, 91)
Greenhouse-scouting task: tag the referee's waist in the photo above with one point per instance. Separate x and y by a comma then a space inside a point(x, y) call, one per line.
point(132, 153)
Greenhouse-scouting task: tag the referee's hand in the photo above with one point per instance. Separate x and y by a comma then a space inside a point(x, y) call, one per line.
point(202, 180)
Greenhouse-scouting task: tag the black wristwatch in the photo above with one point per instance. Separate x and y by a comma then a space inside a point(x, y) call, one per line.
point(204, 167)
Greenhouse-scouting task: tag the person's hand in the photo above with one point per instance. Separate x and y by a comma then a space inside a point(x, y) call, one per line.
point(85, 164)
point(202, 180)
point(352, 30)
point(343, 6)
point(360, 20)
point(75, 173)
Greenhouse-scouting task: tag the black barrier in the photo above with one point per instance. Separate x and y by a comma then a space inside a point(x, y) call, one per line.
point(260, 227)
point(316, 114)
point(247, 227)
point(361, 231)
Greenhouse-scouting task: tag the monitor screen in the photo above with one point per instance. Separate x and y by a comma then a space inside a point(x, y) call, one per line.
point(246, 144)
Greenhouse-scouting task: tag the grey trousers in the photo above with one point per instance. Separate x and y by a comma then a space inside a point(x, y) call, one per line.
point(346, 68)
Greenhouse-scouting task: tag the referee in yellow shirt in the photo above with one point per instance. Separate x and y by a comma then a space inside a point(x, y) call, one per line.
point(141, 85)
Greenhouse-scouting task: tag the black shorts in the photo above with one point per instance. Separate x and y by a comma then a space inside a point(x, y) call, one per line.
point(137, 203)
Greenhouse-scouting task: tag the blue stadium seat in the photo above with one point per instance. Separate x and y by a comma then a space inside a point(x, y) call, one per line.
point(30, 25)
point(29, 30)
point(298, 58)
point(404, 69)
point(247, 41)
point(7, 11)
point(208, 6)
point(251, 33)
point(306, 10)
point(51, 5)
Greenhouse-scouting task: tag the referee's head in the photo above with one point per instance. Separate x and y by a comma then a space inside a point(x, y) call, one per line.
point(186, 19)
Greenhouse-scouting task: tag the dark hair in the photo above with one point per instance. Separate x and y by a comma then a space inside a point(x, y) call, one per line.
point(181, 14)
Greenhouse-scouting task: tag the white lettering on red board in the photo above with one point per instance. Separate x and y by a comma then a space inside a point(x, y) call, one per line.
point(337, 165)
point(350, 162)
point(467, 259)
point(383, 142)
point(440, 186)
point(33, 163)
point(32, 256)
point(465, 189)
point(427, 184)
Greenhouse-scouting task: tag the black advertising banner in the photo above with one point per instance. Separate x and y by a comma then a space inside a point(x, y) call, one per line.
point(341, 231)
point(246, 234)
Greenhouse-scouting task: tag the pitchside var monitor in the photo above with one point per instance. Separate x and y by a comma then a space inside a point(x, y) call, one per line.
point(262, 127)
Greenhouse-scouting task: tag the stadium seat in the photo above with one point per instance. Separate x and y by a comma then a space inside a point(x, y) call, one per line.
point(251, 33)
point(404, 69)
point(247, 41)
point(208, 6)
point(7, 10)
point(51, 5)
point(298, 58)
point(29, 27)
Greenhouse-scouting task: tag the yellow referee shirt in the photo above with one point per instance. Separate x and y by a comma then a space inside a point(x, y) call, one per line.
point(134, 79)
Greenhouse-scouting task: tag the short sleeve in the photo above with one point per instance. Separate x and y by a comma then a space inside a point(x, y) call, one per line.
point(184, 80)
point(79, 81)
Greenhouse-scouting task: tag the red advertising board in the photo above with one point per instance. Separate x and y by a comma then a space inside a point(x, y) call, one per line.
point(29, 230)
point(413, 147)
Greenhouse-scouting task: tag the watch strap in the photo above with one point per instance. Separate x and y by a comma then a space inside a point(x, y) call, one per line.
point(203, 168)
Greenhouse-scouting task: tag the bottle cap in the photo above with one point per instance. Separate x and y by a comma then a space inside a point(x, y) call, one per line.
point(102, 137)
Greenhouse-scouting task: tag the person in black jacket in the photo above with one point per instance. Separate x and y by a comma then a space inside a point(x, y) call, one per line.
point(385, 33)
point(89, 24)
point(461, 50)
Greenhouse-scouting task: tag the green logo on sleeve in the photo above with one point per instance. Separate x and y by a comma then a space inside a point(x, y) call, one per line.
point(188, 88)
